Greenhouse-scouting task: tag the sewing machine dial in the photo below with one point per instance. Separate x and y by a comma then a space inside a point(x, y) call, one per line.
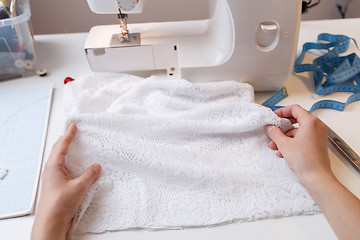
point(127, 5)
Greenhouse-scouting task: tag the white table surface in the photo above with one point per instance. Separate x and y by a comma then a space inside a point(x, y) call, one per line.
point(63, 56)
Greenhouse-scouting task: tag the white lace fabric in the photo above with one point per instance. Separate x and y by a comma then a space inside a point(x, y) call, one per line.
point(176, 154)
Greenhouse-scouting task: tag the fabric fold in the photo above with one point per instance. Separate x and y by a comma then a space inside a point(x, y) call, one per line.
point(176, 154)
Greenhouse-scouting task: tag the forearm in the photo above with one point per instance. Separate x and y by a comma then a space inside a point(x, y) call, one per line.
point(45, 229)
point(339, 205)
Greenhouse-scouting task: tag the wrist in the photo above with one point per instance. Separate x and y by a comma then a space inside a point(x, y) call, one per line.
point(318, 182)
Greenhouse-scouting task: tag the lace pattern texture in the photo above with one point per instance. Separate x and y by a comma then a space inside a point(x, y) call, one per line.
point(176, 154)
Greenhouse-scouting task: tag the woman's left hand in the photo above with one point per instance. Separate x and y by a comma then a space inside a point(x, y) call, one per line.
point(61, 195)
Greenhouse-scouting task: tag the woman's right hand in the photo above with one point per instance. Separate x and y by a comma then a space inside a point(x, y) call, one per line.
point(305, 151)
point(303, 148)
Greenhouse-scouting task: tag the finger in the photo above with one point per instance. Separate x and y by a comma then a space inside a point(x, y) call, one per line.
point(294, 111)
point(293, 120)
point(275, 134)
point(68, 226)
point(61, 146)
point(90, 175)
point(291, 133)
point(272, 145)
point(278, 153)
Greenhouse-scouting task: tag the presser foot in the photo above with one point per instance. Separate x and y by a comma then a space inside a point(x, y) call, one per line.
point(117, 40)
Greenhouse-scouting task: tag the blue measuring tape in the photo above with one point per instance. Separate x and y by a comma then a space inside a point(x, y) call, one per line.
point(332, 73)
point(277, 97)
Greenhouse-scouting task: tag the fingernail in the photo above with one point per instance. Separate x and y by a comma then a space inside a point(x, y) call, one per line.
point(97, 168)
point(268, 128)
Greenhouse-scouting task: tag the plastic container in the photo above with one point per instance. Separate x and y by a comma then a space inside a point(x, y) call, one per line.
point(17, 53)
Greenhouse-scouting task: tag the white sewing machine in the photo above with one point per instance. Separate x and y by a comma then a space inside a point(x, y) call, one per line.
point(251, 41)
